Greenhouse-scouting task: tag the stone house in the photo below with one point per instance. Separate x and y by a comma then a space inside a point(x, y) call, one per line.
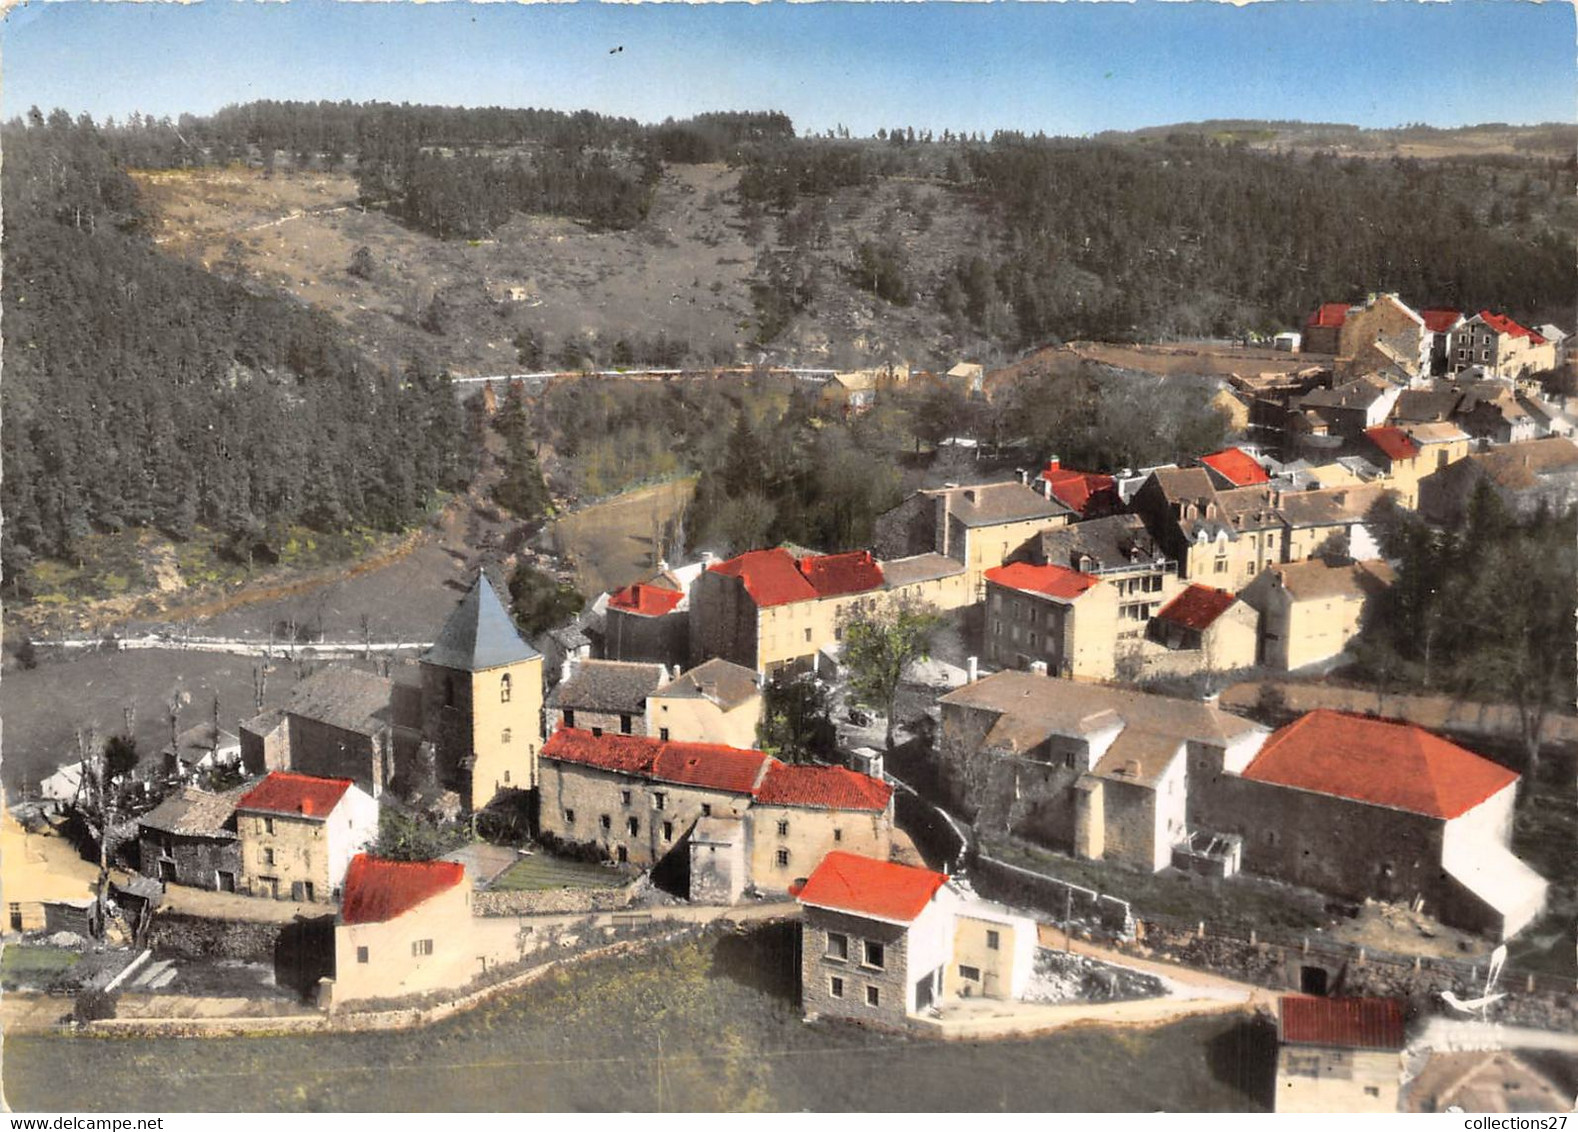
point(1052, 616)
point(647, 621)
point(1440, 324)
point(979, 525)
point(1339, 1054)
point(402, 929)
point(715, 702)
point(1203, 629)
point(198, 749)
point(634, 797)
point(1093, 770)
point(1364, 808)
point(190, 838)
point(1382, 333)
point(1311, 611)
point(881, 943)
point(1493, 414)
point(1323, 329)
point(1408, 453)
point(299, 833)
point(605, 695)
point(1434, 405)
point(1499, 347)
point(1351, 407)
point(482, 700)
point(1526, 477)
point(801, 813)
point(1121, 552)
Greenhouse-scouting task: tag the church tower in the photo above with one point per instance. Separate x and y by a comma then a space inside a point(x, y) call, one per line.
point(482, 700)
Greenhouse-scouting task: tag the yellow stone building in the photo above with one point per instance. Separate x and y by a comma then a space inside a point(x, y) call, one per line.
point(299, 833)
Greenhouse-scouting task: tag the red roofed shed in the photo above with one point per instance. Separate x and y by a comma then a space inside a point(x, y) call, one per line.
point(879, 890)
point(1341, 1023)
point(1328, 315)
point(378, 890)
point(300, 795)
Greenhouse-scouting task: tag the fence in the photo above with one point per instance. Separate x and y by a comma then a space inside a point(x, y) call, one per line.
point(1063, 900)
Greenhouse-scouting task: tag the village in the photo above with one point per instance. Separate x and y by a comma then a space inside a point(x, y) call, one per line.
point(1037, 757)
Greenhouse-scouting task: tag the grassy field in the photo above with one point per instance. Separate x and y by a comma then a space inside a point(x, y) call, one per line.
point(34, 966)
point(707, 1024)
point(540, 871)
point(611, 543)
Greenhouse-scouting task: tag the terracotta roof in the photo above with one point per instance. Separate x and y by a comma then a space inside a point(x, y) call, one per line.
point(378, 890)
point(1330, 315)
point(1397, 765)
point(1343, 1023)
point(723, 682)
point(833, 575)
point(1438, 320)
point(296, 794)
point(1501, 324)
point(825, 787)
point(1057, 582)
point(770, 576)
point(645, 599)
point(709, 765)
point(864, 886)
point(1394, 443)
point(479, 633)
point(614, 686)
point(1082, 492)
point(1197, 607)
point(1236, 466)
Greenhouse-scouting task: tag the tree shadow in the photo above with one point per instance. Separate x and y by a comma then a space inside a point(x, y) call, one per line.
point(763, 957)
point(1245, 1058)
point(304, 953)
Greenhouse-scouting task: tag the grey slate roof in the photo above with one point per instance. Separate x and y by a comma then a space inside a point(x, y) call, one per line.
point(724, 683)
point(342, 697)
point(195, 813)
point(479, 634)
point(608, 686)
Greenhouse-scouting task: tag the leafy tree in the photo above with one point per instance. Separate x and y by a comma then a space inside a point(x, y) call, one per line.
point(405, 836)
point(797, 722)
point(120, 756)
point(880, 643)
point(362, 265)
point(539, 602)
point(529, 349)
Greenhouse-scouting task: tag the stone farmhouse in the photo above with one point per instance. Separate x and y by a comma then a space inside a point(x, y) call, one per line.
point(1121, 552)
point(298, 835)
point(715, 702)
point(190, 838)
point(881, 943)
point(1051, 616)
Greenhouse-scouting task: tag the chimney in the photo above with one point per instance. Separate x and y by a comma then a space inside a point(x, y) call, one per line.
point(975, 671)
point(1046, 489)
point(306, 806)
point(1054, 464)
point(969, 494)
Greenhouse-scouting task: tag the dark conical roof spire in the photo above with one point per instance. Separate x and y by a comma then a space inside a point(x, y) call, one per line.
point(479, 634)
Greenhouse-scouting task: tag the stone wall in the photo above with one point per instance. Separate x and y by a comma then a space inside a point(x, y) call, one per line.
point(562, 900)
point(818, 970)
point(196, 937)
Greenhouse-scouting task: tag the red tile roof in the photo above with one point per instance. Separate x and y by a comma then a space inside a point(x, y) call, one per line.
point(1501, 324)
point(709, 765)
point(377, 890)
point(1438, 320)
point(1049, 580)
point(1379, 763)
point(770, 576)
point(1087, 493)
point(827, 787)
point(1330, 315)
point(1197, 607)
point(285, 793)
point(1394, 443)
point(1236, 466)
point(644, 599)
point(1344, 1023)
point(832, 575)
point(864, 886)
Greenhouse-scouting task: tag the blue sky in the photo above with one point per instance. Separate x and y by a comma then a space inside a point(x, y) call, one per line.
point(1066, 68)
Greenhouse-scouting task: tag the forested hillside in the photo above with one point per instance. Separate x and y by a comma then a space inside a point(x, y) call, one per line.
point(140, 392)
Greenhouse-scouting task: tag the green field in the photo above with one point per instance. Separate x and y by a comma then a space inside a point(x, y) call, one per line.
point(540, 871)
point(705, 1024)
point(34, 966)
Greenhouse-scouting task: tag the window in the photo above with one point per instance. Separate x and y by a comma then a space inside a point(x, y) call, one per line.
point(421, 947)
point(569, 717)
point(268, 825)
point(1068, 760)
point(1372, 1090)
point(838, 835)
point(873, 996)
point(361, 955)
point(624, 797)
point(597, 732)
point(663, 734)
point(1221, 565)
point(783, 829)
point(808, 636)
point(504, 688)
point(835, 987)
point(634, 826)
point(268, 856)
point(782, 858)
point(506, 775)
point(504, 736)
point(668, 831)
point(449, 691)
point(706, 809)
point(569, 817)
point(837, 945)
point(875, 954)
point(606, 822)
point(970, 974)
point(624, 724)
point(994, 941)
point(659, 799)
